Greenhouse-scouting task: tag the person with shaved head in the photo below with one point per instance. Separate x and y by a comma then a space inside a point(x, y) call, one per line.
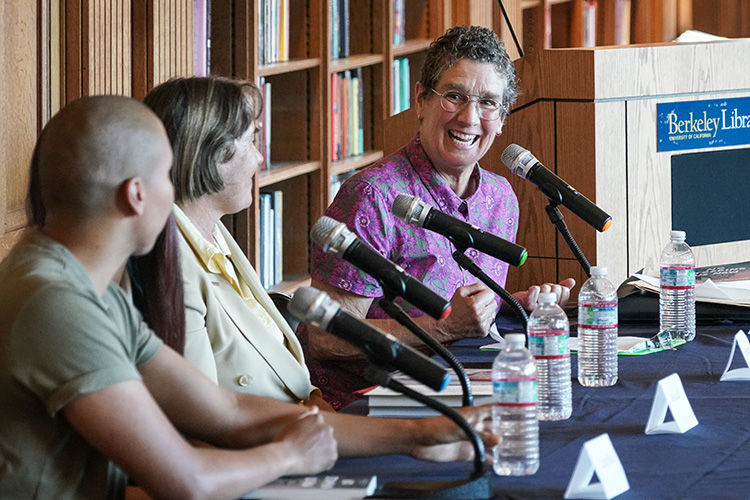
point(89, 396)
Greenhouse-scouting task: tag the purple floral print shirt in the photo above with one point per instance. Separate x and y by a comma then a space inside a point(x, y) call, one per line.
point(364, 204)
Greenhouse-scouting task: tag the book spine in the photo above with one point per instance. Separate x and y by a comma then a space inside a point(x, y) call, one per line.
point(344, 105)
point(395, 83)
point(335, 117)
point(263, 222)
point(200, 37)
point(278, 236)
point(267, 130)
point(405, 84)
point(344, 28)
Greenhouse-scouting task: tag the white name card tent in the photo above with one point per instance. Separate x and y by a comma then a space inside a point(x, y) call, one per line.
point(670, 395)
point(597, 456)
point(740, 340)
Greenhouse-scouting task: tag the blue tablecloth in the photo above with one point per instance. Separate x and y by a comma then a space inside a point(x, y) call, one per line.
point(710, 461)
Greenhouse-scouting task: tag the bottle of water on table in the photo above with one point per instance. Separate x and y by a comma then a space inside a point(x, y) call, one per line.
point(514, 418)
point(677, 291)
point(549, 343)
point(597, 331)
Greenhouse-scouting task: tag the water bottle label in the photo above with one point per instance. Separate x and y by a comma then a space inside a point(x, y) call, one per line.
point(549, 344)
point(677, 277)
point(601, 315)
point(515, 392)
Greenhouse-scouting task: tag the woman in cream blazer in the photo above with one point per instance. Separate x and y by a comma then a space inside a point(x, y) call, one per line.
point(234, 333)
point(230, 344)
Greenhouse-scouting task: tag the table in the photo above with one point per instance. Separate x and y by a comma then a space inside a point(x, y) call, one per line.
point(710, 461)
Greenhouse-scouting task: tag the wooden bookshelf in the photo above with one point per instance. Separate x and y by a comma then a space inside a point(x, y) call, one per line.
point(301, 163)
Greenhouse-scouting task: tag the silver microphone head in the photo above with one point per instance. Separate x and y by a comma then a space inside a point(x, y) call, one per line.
point(410, 209)
point(313, 307)
point(518, 160)
point(333, 236)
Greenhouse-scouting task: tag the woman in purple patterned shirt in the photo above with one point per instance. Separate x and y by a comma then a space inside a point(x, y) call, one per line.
point(467, 86)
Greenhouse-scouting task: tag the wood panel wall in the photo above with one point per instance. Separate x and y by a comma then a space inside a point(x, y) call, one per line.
point(54, 51)
point(173, 39)
point(108, 68)
point(19, 103)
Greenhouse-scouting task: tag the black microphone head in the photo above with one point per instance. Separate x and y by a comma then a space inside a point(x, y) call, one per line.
point(312, 306)
point(333, 236)
point(410, 209)
point(518, 160)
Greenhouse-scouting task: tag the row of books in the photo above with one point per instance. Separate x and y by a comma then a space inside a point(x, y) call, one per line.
point(591, 13)
point(347, 133)
point(273, 31)
point(339, 29)
point(271, 238)
point(621, 15)
point(264, 123)
point(400, 85)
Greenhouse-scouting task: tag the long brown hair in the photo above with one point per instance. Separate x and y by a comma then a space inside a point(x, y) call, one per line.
point(156, 280)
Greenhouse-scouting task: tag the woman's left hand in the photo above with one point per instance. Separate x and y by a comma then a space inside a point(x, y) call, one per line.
point(529, 298)
point(441, 440)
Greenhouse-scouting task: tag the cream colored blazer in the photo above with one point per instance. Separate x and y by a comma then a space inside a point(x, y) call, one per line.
point(228, 343)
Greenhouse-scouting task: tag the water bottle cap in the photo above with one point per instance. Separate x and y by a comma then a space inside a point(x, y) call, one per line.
point(547, 298)
point(599, 271)
point(515, 339)
point(677, 235)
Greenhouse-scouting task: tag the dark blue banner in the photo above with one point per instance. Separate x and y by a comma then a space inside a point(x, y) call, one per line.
point(703, 124)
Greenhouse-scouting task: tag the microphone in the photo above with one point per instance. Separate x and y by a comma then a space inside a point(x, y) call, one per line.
point(522, 163)
point(316, 308)
point(334, 237)
point(412, 210)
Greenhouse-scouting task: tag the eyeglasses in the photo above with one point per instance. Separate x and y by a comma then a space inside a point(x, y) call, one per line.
point(454, 101)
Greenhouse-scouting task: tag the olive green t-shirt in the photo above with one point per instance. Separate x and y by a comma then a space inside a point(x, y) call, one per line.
point(59, 339)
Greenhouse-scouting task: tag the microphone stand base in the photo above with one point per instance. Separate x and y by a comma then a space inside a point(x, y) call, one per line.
point(477, 488)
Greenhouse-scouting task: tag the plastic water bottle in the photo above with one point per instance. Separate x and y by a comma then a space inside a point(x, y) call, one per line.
point(677, 293)
point(597, 331)
point(549, 342)
point(514, 418)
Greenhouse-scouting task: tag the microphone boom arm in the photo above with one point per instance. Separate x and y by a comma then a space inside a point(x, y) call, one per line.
point(557, 218)
point(465, 262)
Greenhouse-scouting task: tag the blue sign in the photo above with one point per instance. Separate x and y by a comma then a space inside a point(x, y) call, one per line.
point(703, 124)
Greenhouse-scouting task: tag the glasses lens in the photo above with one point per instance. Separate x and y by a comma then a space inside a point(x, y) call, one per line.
point(454, 101)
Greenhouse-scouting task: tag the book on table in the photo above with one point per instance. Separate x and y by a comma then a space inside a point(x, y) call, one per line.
point(383, 402)
point(320, 487)
point(727, 284)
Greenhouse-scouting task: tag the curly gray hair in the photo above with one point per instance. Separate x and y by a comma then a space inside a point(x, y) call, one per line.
point(475, 43)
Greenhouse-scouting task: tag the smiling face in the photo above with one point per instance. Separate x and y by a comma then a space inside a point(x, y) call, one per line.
point(455, 142)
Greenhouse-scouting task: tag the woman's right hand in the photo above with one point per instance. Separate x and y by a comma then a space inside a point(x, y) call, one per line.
point(310, 442)
point(473, 309)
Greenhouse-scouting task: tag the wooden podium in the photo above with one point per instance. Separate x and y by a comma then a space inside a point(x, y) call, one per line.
point(590, 116)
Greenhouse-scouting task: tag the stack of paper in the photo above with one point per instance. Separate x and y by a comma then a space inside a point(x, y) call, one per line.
point(387, 403)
